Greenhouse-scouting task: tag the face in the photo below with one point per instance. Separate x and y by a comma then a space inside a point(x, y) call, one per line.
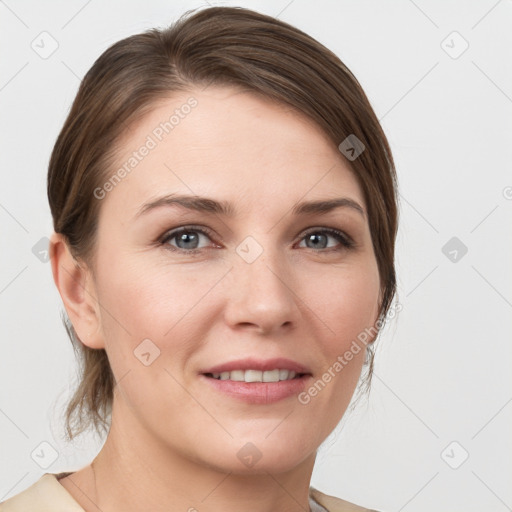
point(225, 328)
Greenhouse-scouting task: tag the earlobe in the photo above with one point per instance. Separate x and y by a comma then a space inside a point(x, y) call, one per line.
point(76, 288)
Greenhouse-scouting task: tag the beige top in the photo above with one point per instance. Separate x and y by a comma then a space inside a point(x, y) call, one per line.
point(48, 495)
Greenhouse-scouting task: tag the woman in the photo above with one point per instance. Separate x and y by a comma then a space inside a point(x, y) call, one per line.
point(224, 206)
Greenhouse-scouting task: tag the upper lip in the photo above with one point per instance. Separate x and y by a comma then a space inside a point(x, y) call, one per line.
point(258, 364)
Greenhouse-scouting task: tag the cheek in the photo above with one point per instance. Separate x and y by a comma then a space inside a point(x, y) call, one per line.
point(349, 304)
point(349, 308)
point(142, 300)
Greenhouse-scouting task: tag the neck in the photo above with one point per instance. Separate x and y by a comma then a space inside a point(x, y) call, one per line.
point(133, 472)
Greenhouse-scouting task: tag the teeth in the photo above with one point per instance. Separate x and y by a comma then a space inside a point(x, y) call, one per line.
point(256, 375)
point(271, 376)
point(238, 375)
point(253, 376)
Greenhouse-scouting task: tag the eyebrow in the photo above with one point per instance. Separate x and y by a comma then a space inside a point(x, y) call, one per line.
point(213, 206)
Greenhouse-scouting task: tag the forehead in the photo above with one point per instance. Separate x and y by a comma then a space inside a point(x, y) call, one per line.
point(226, 143)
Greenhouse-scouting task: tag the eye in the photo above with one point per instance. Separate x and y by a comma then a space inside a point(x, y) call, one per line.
point(187, 239)
point(318, 238)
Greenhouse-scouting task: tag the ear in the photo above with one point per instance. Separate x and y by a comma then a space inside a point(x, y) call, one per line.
point(76, 287)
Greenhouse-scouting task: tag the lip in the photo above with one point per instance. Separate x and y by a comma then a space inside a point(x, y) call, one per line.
point(258, 364)
point(258, 392)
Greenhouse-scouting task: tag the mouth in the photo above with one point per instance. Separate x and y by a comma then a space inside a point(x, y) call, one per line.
point(257, 370)
point(258, 381)
point(251, 375)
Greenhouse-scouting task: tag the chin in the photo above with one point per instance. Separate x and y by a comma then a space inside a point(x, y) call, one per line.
point(262, 466)
point(253, 455)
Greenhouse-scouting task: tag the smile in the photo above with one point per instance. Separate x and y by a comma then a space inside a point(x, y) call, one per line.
point(256, 375)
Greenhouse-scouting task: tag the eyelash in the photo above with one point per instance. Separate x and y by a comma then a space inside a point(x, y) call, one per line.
point(345, 240)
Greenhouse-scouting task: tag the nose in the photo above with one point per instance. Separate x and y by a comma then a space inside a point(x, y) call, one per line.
point(261, 295)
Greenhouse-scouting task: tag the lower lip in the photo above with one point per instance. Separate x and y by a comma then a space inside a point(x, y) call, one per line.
point(259, 392)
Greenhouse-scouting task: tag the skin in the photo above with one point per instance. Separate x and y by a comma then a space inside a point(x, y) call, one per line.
point(174, 439)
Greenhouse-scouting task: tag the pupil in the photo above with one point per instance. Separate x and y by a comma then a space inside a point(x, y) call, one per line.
point(314, 238)
point(186, 236)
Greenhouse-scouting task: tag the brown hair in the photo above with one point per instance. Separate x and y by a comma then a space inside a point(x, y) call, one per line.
point(221, 46)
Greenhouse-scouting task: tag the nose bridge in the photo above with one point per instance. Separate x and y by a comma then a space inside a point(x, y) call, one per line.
point(263, 293)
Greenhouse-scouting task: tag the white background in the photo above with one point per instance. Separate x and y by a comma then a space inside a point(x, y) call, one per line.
point(442, 369)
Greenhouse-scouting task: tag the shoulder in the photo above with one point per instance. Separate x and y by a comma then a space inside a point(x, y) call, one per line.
point(333, 504)
point(45, 495)
point(48, 495)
